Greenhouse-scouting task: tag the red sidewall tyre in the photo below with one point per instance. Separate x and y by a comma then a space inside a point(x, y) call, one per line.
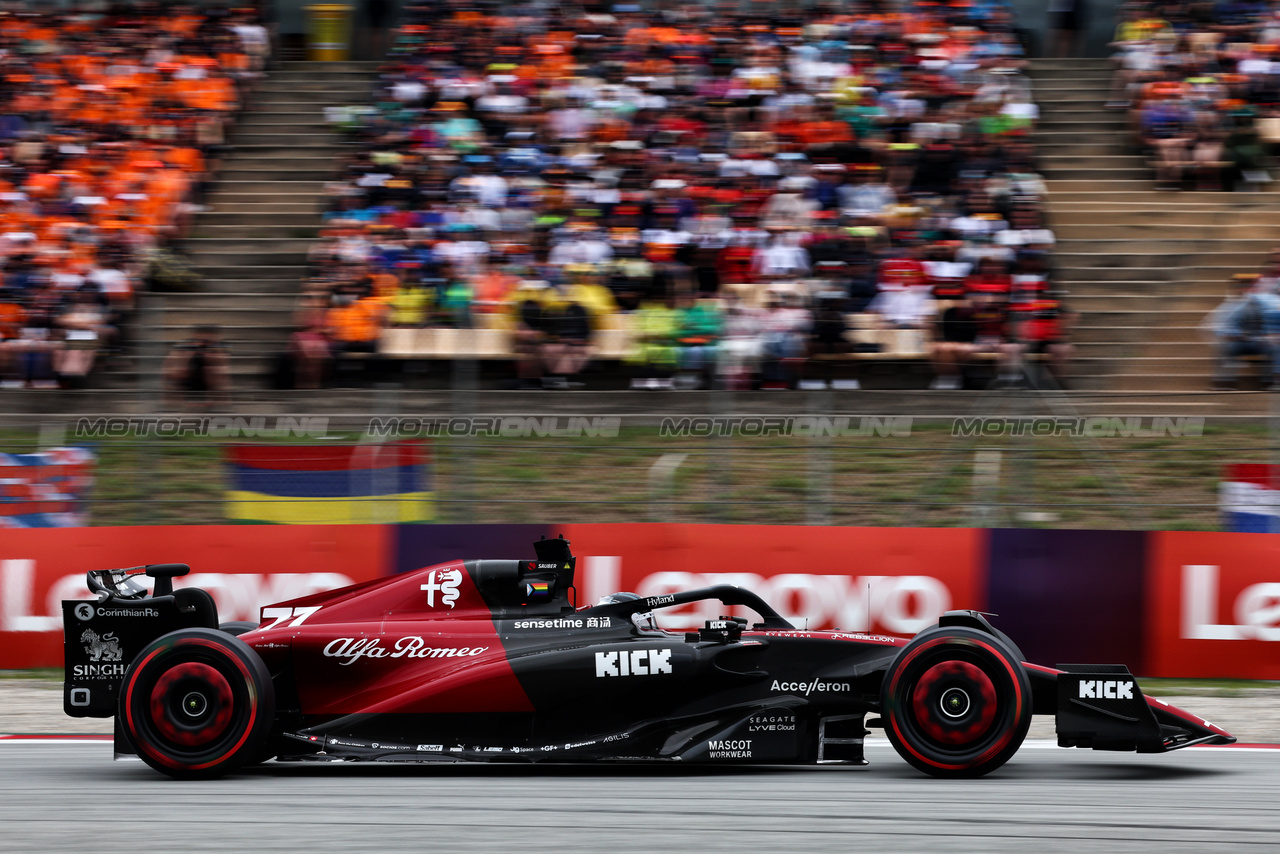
point(956, 702)
point(197, 703)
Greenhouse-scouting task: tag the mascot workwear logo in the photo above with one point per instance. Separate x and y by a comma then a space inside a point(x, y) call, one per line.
point(101, 648)
point(633, 662)
point(1106, 690)
point(447, 587)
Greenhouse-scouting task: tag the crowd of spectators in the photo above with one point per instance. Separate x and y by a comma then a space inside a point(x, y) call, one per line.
point(111, 120)
point(1201, 82)
point(733, 190)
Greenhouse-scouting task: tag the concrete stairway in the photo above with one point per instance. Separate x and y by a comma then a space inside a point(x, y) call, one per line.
point(250, 245)
point(1142, 267)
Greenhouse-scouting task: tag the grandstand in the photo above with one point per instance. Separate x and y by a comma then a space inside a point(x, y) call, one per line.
point(1143, 267)
point(1140, 268)
point(250, 246)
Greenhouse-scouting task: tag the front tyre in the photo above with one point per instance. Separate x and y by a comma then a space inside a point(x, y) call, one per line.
point(197, 703)
point(956, 702)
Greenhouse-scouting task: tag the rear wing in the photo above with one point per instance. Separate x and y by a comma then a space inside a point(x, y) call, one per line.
point(102, 636)
point(1101, 706)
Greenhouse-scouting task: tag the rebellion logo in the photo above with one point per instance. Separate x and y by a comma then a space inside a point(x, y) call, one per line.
point(351, 650)
point(447, 587)
point(635, 662)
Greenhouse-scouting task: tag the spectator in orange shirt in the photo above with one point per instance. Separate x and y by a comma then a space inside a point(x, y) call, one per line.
point(353, 323)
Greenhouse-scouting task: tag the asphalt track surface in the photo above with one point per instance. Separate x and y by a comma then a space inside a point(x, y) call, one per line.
point(58, 796)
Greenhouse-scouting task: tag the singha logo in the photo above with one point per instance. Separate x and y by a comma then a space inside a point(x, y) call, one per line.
point(104, 648)
point(447, 587)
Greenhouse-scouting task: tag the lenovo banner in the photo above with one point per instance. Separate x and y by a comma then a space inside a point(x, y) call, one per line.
point(1068, 597)
point(243, 568)
point(887, 580)
point(1213, 605)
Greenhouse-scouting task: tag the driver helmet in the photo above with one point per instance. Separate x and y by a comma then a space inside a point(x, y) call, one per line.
point(644, 621)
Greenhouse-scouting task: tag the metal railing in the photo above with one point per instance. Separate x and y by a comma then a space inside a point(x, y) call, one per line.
point(758, 459)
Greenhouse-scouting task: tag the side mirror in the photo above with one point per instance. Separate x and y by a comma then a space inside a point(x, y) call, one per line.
point(164, 573)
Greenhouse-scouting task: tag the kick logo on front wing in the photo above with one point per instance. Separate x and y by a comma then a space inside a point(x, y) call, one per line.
point(633, 662)
point(1109, 689)
point(447, 587)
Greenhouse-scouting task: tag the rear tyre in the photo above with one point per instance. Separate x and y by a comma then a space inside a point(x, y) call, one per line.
point(237, 627)
point(197, 703)
point(956, 702)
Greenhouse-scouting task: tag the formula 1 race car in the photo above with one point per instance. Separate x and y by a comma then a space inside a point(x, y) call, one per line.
point(489, 660)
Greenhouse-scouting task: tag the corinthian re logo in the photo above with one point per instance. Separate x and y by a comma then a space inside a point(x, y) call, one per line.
point(447, 586)
point(104, 648)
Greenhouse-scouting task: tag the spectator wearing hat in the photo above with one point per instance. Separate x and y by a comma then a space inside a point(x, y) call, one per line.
point(904, 299)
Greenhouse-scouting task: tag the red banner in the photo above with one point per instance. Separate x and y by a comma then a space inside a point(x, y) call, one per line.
point(1213, 605)
point(243, 567)
point(887, 580)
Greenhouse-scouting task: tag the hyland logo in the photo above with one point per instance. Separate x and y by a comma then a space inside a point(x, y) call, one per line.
point(1106, 690)
point(447, 587)
point(84, 612)
point(101, 648)
point(635, 662)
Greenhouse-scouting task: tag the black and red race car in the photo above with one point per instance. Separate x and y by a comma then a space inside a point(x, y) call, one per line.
point(490, 660)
